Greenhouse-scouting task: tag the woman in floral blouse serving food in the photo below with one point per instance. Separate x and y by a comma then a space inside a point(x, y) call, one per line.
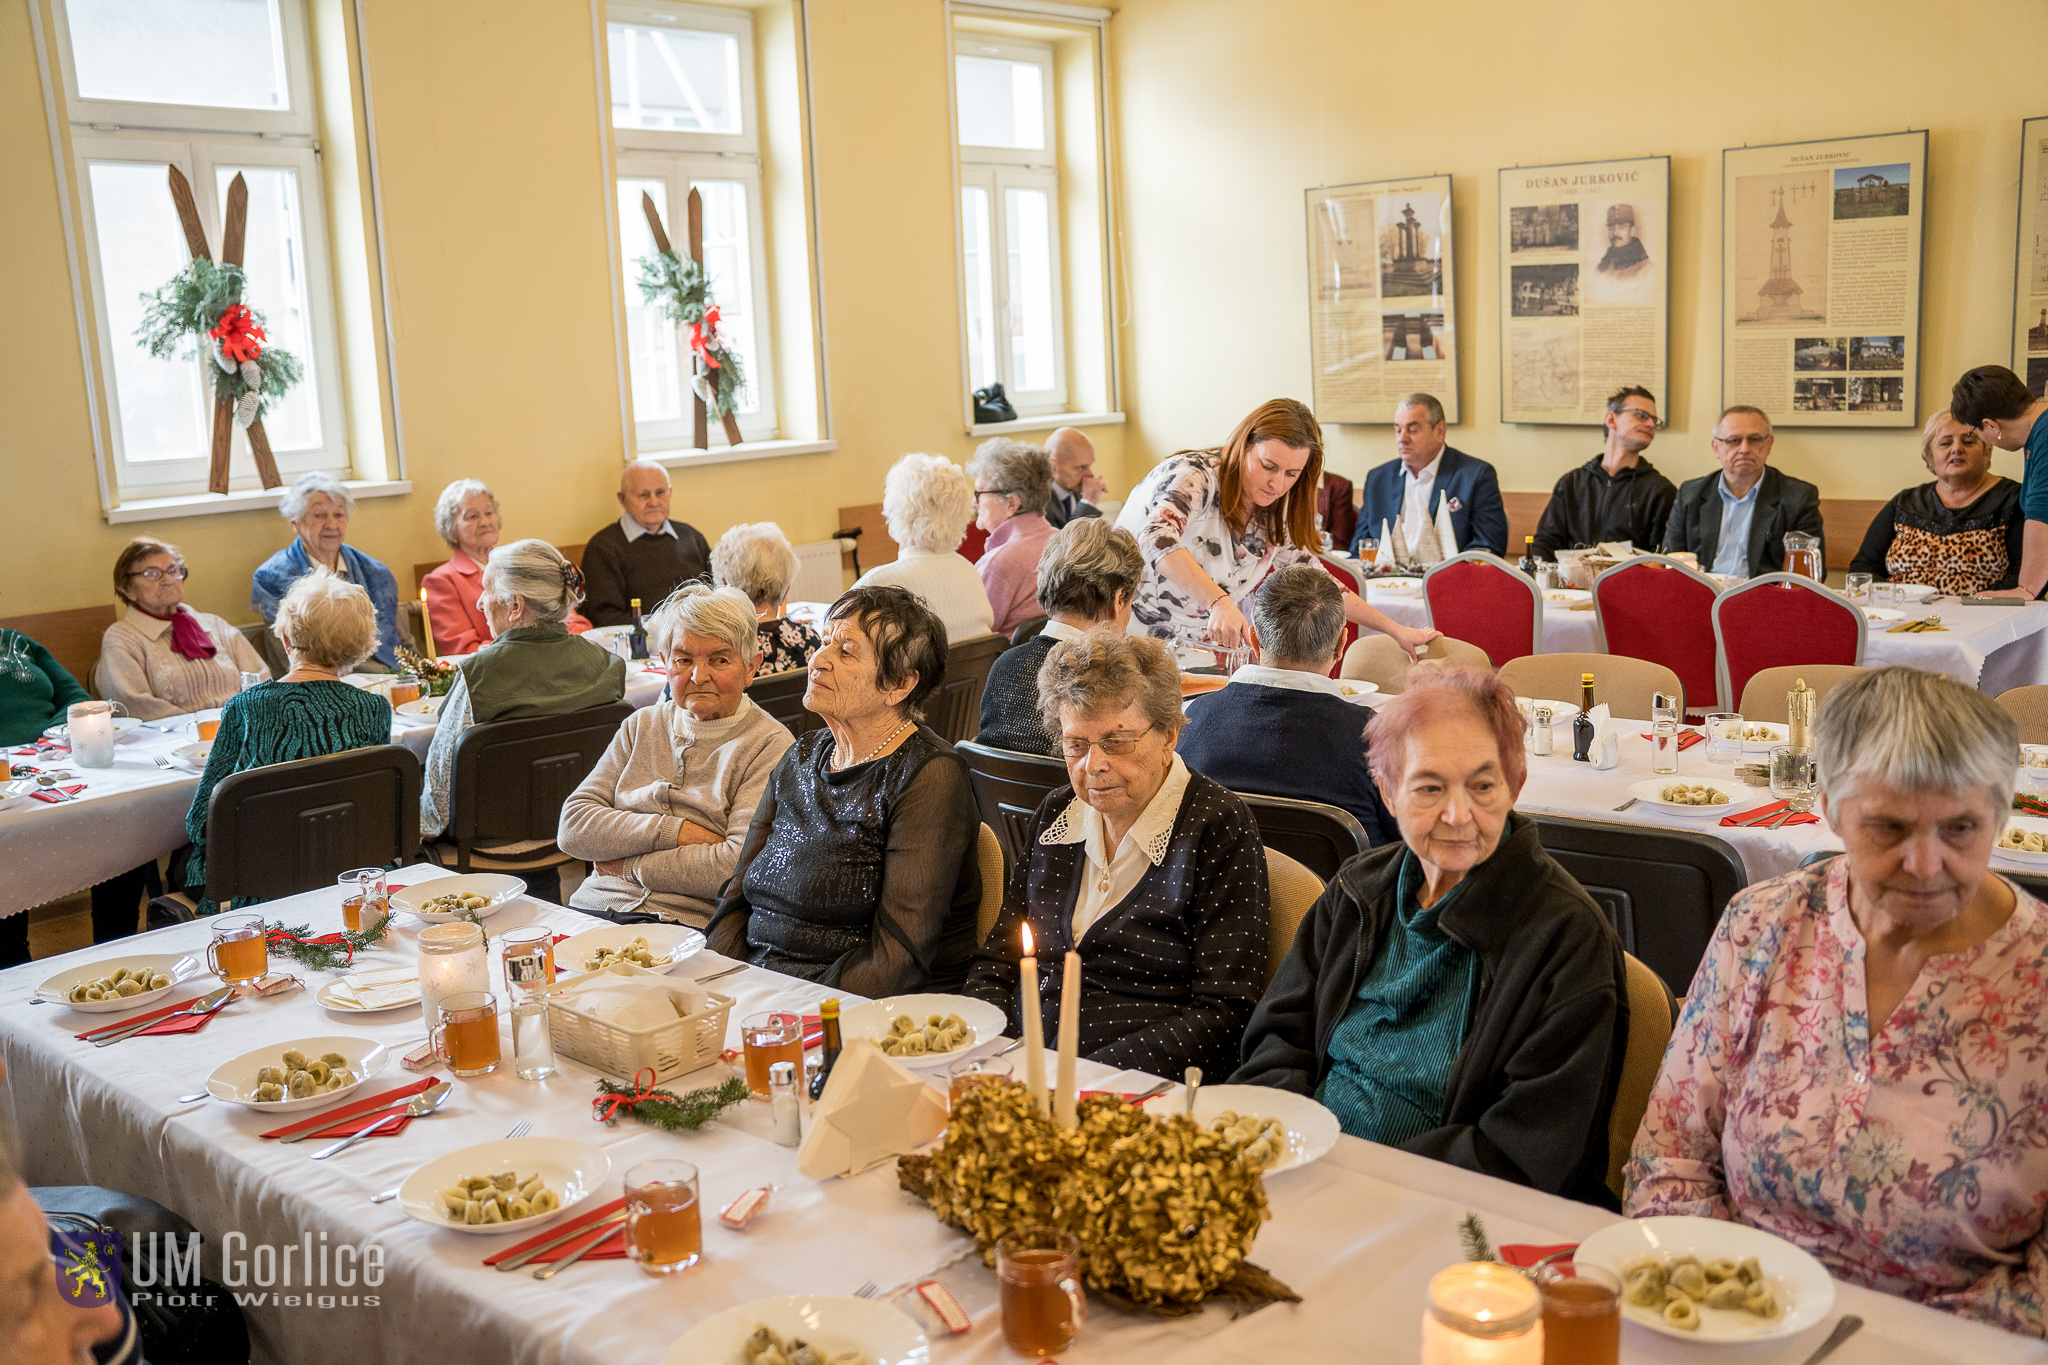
point(1213, 523)
point(1858, 1065)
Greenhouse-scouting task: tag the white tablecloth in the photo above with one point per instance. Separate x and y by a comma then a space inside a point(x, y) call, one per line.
point(134, 811)
point(1991, 648)
point(1357, 1235)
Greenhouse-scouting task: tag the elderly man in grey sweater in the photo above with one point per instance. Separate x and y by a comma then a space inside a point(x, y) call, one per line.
point(662, 816)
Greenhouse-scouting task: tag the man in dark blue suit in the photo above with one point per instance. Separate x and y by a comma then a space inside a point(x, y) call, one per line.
point(1407, 491)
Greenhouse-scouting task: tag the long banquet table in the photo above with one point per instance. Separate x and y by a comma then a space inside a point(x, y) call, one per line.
point(1357, 1234)
point(1990, 648)
point(134, 811)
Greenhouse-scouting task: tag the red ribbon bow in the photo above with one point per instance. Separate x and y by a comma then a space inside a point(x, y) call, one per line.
point(702, 334)
point(240, 338)
point(610, 1105)
point(339, 940)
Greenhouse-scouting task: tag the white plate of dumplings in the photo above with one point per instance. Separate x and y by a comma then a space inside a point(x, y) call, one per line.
point(282, 1064)
point(1804, 1293)
point(876, 1020)
point(572, 1170)
point(145, 969)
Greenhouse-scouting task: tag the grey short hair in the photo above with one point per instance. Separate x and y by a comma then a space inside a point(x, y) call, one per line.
point(722, 613)
point(1299, 615)
point(645, 463)
point(1107, 670)
point(1016, 467)
point(292, 505)
point(927, 501)
point(1734, 408)
point(448, 507)
point(1914, 731)
point(535, 572)
point(756, 558)
point(1427, 402)
point(1086, 566)
point(328, 620)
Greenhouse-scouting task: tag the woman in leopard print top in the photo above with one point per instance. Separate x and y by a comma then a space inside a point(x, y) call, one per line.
point(1961, 533)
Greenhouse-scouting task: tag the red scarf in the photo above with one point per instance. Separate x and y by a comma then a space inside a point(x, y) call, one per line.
point(189, 639)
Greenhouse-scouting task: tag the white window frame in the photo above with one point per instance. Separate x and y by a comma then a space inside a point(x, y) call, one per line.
point(677, 159)
point(196, 140)
point(997, 169)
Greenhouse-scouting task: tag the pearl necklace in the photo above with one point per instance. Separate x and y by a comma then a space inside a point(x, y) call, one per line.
point(841, 767)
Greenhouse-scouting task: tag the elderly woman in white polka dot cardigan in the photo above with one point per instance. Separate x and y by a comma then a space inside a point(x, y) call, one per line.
point(1155, 872)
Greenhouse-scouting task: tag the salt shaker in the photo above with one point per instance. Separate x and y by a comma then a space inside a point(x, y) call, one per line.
point(1542, 722)
point(533, 1047)
point(784, 1104)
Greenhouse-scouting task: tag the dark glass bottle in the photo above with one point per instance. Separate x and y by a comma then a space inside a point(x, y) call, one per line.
point(829, 1053)
point(1582, 723)
point(637, 642)
point(1528, 564)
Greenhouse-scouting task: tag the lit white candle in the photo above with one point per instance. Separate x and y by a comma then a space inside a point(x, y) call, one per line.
point(1482, 1313)
point(1034, 1029)
point(1065, 1100)
point(90, 732)
point(452, 961)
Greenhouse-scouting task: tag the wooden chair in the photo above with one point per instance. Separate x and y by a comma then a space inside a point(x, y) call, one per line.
point(420, 572)
point(1291, 892)
point(954, 710)
point(1377, 659)
point(1651, 1013)
point(1484, 600)
point(72, 637)
point(2027, 705)
point(781, 695)
point(1778, 619)
point(1766, 690)
point(290, 827)
point(988, 851)
point(1625, 684)
point(264, 641)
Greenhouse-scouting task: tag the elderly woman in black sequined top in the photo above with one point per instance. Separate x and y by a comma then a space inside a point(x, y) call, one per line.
point(859, 870)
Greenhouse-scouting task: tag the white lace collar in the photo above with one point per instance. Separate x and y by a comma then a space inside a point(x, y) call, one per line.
point(1151, 833)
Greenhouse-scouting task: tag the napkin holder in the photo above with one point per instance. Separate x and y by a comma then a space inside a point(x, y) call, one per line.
point(873, 1108)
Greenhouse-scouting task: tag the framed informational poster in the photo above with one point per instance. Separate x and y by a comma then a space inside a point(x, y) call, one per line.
point(1583, 249)
point(1381, 315)
point(2030, 291)
point(1820, 279)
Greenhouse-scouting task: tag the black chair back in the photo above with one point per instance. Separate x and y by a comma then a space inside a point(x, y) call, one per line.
point(512, 776)
point(954, 710)
point(1663, 890)
point(781, 695)
point(1027, 628)
point(292, 827)
point(1008, 788)
point(1320, 837)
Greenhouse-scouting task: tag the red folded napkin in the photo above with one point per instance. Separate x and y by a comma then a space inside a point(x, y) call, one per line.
point(1686, 739)
point(1523, 1255)
point(613, 1233)
point(1757, 815)
point(357, 1114)
point(52, 797)
point(190, 1023)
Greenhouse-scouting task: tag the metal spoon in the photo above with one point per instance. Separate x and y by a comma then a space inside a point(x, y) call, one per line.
point(421, 1106)
point(1194, 1082)
point(1846, 1328)
point(194, 1097)
point(205, 1004)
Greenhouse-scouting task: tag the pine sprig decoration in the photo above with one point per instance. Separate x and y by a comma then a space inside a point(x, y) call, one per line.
point(681, 288)
point(665, 1108)
point(187, 307)
point(327, 952)
point(1472, 1237)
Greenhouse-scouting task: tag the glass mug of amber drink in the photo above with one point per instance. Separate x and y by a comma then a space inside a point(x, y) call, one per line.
point(1039, 1271)
point(664, 1230)
point(363, 889)
point(1581, 1314)
point(767, 1039)
point(404, 687)
point(239, 951)
point(467, 1036)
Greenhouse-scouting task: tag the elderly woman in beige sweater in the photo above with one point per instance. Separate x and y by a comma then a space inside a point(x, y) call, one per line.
point(663, 815)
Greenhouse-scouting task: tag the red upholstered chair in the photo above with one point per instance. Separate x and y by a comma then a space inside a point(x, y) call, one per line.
point(1780, 619)
point(1346, 574)
point(1483, 600)
point(1660, 609)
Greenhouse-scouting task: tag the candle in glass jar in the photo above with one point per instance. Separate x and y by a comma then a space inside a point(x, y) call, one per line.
point(452, 962)
point(90, 730)
point(1034, 1028)
point(1482, 1313)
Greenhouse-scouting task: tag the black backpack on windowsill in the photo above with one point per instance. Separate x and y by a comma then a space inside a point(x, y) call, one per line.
point(992, 405)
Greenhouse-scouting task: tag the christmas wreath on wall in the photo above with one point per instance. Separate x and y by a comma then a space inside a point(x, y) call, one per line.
point(681, 288)
point(202, 306)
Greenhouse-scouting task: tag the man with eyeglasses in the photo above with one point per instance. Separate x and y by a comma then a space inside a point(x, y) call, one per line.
point(1616, 495)
point(1736, 521)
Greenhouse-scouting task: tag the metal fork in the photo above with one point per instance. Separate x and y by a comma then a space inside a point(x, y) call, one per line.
point(163, 763)
point(1626, 804)
point(866, 1291)
point(519, 1129)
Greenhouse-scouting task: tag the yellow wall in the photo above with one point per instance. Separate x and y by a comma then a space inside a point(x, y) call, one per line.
point(494, 210)
point(1228, 111)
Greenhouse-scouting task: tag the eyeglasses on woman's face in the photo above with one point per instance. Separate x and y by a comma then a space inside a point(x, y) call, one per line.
point(1116, 746)
point(154, 575)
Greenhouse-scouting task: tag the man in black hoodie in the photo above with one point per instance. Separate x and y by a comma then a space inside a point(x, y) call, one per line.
point(1456, 994)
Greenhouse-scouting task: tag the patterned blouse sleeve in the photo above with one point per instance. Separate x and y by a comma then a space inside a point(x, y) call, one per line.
point(1180, 494)
point(1675, 1165)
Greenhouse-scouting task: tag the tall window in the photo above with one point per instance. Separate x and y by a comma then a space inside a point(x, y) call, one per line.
point(216, 88)
point(683, 118)
point(1009, 221)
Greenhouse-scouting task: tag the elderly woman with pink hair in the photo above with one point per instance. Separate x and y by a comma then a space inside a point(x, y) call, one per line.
point(1456, 994)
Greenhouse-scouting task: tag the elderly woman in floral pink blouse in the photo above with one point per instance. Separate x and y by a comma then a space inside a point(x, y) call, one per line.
point(1862, 1064)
